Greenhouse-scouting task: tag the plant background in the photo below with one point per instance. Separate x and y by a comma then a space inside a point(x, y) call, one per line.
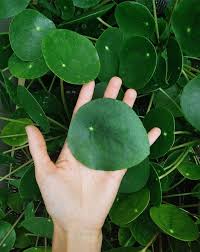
point(174, 161)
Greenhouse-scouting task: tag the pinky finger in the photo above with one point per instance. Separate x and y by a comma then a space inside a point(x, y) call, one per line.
point(153, 135)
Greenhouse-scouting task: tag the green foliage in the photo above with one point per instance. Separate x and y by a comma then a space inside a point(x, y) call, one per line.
point(53, 47)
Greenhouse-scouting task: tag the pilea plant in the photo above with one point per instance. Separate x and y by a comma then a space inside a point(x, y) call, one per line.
point(55, 46)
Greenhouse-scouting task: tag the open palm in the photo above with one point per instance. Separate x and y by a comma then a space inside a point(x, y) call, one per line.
point(74, 195)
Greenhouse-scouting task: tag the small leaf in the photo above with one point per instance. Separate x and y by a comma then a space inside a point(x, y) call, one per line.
point(29, 211)
point(125, 237)
point(135, 178)
point(108, 45)
point(7, 245)
point(129, 13)
point(190, 102)
point(174, 221)
point(185, 22)
point(15, 202)
point(103, 129)
point(71, 56)
point(143, 229)
point(14, 133)
point(28, 187)
point(39, 226)
point(163, 119)
point(32, 107)
point(9, 8)
point(27, 69)
point(189, 170)
point(127, 208)
point(138, 61)
point(154, 186)
point(66, 8)
point(174, 61)
point(128, 249)
point(26, 33)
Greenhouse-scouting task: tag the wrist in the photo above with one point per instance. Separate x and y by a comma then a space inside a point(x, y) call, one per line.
point(78, 238)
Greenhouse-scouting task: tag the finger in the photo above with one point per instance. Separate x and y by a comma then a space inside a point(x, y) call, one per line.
point(38, 149)
point(153, 135)
point(130, 97)
point(85, 95)
point(113, 88)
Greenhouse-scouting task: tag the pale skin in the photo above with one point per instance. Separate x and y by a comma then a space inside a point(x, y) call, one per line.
point(77, 198)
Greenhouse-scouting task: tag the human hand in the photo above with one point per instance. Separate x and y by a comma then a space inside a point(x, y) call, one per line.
point(76, 197)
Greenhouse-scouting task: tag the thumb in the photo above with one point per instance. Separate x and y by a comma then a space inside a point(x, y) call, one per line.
point(38, 149)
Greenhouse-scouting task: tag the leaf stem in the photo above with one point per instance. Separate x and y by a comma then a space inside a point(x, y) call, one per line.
point(17, 169)
point(52, 82)
point(156, 20)
point(182, 133)
point(150, 102)
point(178, 183)
point(178, 107)
point(174, 7)
point(57, 123)
point(176, 165)
point(192, 68)
point(184, 73)
point(63, 99)
point(184, 145)
point(103, 22)
point(42, 84)
point(180, 194)
point(11, 229)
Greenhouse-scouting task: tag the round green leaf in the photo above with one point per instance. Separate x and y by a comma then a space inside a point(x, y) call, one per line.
point(189, 170)
point(85, 3)
point(125, 237)
point(100, 89)
point(154, 186)
point(26, 33)
point(5, 50)
point(32, 107)
point(66, 8)
point(190, 102)
point(127, 208)
point(71, 56)
point(175, 222)
point(186, 22)
point(9, 8)
point(135, 178)
point(108, 45)
point(174, 61)
point(134, 19)
point(39, 226)
point(138, 61)
point(14, 132)
point(164, 120)
point(103, 129)
point(143, 229)
point(7, 245)
point(27, 69)
point(28, 187)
